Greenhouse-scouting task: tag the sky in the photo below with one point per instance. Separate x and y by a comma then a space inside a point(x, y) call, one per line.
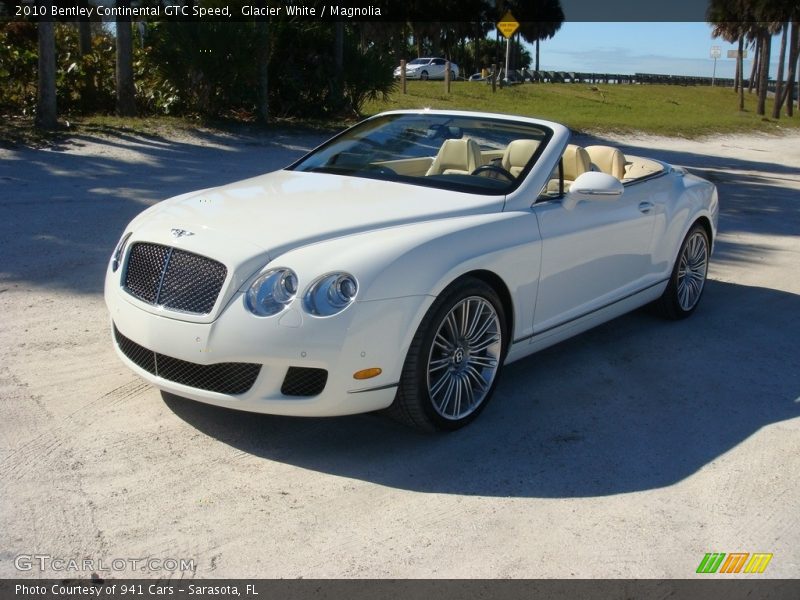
point(626, 48)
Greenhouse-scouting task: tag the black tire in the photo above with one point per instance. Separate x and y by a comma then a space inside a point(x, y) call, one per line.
point(685, 288)
point(424, 76)
point(415, 405)
point(452, 75)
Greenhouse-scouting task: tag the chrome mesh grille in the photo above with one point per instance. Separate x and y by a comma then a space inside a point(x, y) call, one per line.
point(224, 378)
point(173, 278)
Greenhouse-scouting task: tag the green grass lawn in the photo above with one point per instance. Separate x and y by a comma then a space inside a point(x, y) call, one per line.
point(685, 111)
point(672, 110)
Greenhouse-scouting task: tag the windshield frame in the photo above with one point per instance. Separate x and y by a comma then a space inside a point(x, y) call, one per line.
point(431, 182)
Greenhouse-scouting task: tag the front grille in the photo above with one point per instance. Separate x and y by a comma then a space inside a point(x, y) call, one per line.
point(173, 278)
point(304, 381)
point(224, 378)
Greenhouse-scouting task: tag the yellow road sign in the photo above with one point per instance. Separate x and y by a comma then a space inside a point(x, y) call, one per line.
point(508, 25)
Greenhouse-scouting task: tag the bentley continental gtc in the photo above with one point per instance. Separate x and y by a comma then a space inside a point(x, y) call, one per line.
point(401, 264)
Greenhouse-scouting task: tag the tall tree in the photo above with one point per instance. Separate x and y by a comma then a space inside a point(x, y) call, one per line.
point(126, 91)
point(779, 97)
point(46, 96)
point(538, 20)
point(84, 31)
point(794, 50)
point(765, 41)
point(732, 21)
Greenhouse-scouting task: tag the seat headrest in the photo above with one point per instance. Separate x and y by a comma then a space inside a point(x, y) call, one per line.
point(517, 155)
point(456, 156)
point(608, 160)
point(576, 161)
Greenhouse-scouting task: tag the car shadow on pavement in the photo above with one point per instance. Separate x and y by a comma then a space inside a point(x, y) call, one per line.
point(636, 404)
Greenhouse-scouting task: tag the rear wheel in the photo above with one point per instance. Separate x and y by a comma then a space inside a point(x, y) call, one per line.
point(688, 279)
point(454, 360)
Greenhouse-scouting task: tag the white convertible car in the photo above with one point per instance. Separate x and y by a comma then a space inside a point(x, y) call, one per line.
point(401, 264)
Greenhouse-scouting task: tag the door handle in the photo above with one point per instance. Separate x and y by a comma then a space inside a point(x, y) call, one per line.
point(645, 207)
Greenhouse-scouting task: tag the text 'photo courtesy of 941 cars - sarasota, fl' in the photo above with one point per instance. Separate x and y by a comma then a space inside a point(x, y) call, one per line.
point(401, 264)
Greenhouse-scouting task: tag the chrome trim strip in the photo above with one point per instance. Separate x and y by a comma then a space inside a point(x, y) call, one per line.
point(645, 178)
point(586, 314)
point(374, 389)
point(163, 274)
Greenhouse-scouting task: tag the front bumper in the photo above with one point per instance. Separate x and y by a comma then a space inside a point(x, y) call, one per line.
point(365, 335)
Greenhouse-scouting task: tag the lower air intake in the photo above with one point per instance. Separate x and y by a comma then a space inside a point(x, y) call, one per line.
point(304, 381)
point(223, 378)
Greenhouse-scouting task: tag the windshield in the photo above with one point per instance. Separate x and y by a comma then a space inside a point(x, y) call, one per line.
point(420, 61)
point(460, 152)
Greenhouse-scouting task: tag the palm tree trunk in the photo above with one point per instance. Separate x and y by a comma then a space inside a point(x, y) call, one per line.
point(778, 103)
point(754, 70)
point(262, 37)
point(46, 97)
point(84, 32)
point(126, 92)
point(337, 90)
point(740, 71)
point(537, 55)
point(763, 74)
point(788, 90)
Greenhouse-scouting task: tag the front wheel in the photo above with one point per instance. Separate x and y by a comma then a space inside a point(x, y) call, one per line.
point(688, 278)
point(454, 360)
point(424, 76)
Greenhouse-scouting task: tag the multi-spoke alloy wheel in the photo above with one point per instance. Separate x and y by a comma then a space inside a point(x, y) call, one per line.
point(688, 278)
point(464, 357)
point(454, 360)
point(692, 269)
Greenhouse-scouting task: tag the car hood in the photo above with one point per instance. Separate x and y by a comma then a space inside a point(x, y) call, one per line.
point(261, 218)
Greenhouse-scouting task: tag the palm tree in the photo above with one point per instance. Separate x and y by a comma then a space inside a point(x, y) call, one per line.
point(779, 97)
point(732, 21)
point(126, 92)
point(538, 20)
point(46, 97)
point(794, 50)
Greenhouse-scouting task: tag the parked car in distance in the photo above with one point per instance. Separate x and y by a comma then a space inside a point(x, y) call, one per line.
point(428, 68)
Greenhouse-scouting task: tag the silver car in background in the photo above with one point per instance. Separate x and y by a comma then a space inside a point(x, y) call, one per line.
point(428, 68)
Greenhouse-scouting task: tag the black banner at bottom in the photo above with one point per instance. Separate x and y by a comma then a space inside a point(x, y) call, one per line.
point(371, 589)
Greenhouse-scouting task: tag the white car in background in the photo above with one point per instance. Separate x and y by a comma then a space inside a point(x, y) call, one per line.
point(428, 68)
point(401, 265)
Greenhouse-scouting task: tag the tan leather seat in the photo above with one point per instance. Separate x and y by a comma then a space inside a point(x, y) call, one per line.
point(608, 160)
point(517, 155)
point(456, 157)
point(576, 162)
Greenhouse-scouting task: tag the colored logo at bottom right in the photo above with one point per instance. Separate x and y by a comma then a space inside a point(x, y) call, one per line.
point(734, 562)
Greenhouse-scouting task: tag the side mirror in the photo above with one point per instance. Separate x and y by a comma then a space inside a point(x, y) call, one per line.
point(592, 185)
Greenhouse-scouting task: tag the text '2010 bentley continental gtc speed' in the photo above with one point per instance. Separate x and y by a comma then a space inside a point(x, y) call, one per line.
point(401, 264)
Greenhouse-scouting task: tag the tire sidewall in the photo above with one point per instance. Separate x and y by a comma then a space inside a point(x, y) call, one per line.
point(427, 331)
point(672, 289)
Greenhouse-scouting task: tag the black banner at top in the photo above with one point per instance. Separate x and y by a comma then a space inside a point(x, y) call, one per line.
point(356, 11)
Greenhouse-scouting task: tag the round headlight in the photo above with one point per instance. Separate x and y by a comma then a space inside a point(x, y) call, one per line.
point(119, 251)
point(271, 292)
point(330, 294)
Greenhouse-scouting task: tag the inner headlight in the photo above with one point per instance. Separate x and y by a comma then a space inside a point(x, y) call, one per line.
point(119, 251)
point(330, 294)
point(271, 292)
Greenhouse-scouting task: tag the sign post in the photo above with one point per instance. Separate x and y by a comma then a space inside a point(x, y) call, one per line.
point(508, 26)
point(716, 52)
